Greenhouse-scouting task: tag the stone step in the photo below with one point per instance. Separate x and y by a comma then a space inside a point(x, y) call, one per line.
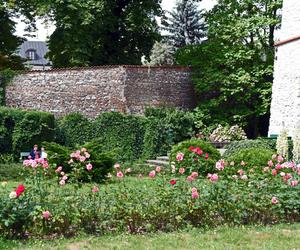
point(163, 158)
point(158, 163)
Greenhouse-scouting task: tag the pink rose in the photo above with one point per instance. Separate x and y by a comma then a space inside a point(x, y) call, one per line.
point(46, 215)
point(274, 157)
point(194, 190)
point(294, 183)
point(195, 195)
point(274, 200)
point(270, 163)
point(59, 169)
point(220, 165)
point(70, 161)
point(152, 174)
point(280, 158)
point(278, 166)
point(62, 182)
point(179, 156)
point(87, 155)
point(45, 164)
point(34, 164)
point(274, 172)
point(117, 166)
point(128, 170)
point(27, 163)
point(82, 158)
point(158, 169)
point(181, 170)
point(83, 150)
point(62, 173)
point(214, 178)
point(120, 174)
point(89, 167)
point(95, 189)
point(64, 178)
point(282, 174)
point(189, 178)
point(194, 175)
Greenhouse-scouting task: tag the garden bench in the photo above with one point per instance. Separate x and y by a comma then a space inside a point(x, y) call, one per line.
point(24, 155)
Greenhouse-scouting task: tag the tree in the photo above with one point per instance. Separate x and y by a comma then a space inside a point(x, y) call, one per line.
point(102, 32)
point(9, 43)
point(161, 54)
point(233, 69)
point(185, 24)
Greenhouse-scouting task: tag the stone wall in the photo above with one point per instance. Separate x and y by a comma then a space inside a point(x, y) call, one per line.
point(94, 90)
point(285, 106)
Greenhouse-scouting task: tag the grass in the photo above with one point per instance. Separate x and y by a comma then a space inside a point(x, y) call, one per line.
point(283, 236)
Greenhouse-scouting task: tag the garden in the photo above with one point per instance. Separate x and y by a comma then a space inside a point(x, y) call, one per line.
point(95, 181)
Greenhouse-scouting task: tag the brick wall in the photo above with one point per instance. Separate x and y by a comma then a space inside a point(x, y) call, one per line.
point(94, 90)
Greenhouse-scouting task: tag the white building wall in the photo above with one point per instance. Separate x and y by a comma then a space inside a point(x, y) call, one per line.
point(285, 105)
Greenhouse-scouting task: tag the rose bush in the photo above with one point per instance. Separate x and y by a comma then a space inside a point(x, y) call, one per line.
point(195, 155)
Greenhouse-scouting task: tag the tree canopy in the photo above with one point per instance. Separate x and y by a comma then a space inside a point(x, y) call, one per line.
point(93, 32)
point(233, 68)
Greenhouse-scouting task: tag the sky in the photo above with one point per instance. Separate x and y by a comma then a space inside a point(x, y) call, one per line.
point(43, 31)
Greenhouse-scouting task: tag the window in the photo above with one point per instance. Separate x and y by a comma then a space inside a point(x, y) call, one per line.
point(31, 54)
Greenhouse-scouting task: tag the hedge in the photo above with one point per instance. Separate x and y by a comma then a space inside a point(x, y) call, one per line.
point(19, 129)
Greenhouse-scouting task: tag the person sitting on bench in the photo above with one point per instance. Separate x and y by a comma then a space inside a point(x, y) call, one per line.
point(34, 153)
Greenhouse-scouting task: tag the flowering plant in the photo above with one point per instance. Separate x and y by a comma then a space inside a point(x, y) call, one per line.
point(227, 134)
point(194, 155)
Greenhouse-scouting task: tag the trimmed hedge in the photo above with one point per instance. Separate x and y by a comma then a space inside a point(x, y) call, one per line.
point(19, 129)
point(252, 156)
point(132, 137)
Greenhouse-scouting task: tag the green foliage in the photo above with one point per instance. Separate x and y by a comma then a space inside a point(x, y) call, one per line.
point(73, 129)
point(131, 137)
point(130, 205)
point(252, 156)
point(236, 146)
point(179, 123)
point(193, 161)
point(101, 32)
point(233, 70)
point(184, 24)
point(9, 171)
point(58, 155)
point(20, 130)
point(121, 132)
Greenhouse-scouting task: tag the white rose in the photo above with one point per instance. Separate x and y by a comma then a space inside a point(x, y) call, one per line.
point(13, 195)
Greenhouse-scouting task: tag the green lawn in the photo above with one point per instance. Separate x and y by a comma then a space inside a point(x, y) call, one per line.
point(277, 237)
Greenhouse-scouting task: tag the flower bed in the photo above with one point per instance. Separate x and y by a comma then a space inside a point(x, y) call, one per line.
point(232, 193)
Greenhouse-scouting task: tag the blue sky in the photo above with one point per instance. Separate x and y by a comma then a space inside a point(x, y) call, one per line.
point(42, 32)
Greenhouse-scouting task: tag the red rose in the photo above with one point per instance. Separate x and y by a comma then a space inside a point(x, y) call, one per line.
point(191, 148)
point(20, 189)
point(206, 156)
point(173, 182)
point(198, 151)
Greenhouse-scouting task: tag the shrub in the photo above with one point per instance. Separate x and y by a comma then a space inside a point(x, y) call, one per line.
point(73, 129)
point(10, 171)
point(101, 160)
point(201, 160)
point(252, 156)
point(227, 134)
point(21, 129)
point(236, 146)
point(121, 132)
point(179, 124)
